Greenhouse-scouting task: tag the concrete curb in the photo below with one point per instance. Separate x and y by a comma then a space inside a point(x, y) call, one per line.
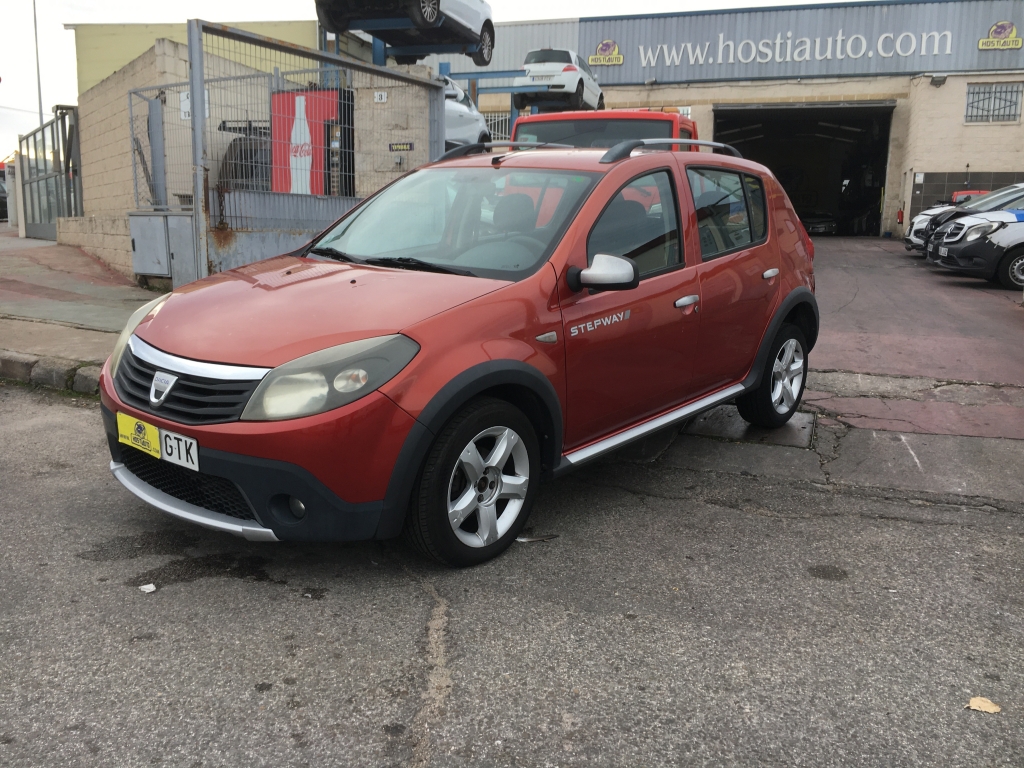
point(51, 372)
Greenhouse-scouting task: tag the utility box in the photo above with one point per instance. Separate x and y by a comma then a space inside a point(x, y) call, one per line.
point(163, 245)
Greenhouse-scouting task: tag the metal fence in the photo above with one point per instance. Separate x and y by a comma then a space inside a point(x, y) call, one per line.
point(50, 173)
point(499, 125)
point(283, 141)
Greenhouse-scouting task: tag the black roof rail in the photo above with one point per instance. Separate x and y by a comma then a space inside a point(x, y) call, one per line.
point(472, 149)
point(624, 149)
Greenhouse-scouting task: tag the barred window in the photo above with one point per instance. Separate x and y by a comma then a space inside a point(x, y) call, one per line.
point(994, 102)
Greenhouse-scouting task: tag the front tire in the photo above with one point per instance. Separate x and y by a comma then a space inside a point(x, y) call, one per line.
point(477, 485)
point(485, 48)
point(1010, 271)
point(600, 102)
point(777, 397)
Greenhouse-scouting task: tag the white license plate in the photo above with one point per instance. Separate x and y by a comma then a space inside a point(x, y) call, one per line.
point(943, 252)
point(180, 450)
point(542, 79)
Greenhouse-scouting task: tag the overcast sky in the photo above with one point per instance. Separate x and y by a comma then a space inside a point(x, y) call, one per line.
point(18, 96)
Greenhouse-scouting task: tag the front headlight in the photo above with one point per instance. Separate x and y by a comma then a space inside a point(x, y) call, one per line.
point(133, 322)
point(980, 230)
point(330, 378)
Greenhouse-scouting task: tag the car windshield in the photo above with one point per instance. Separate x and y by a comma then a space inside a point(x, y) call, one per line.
point(593, 132)
point(489, 222)
point(994, 201)
point(548, 56)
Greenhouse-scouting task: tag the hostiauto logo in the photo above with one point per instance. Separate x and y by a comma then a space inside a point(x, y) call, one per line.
point(786, 48)
point(1002, 36)
point(607, 55)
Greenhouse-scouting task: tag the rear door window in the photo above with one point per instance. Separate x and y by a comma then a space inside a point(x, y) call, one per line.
point(758, 212)
point(723, 221)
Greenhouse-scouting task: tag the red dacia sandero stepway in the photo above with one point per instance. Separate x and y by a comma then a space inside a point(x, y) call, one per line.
point(482, 324)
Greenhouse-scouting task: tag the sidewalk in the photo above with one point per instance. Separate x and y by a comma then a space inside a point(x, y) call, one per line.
point(61, 311)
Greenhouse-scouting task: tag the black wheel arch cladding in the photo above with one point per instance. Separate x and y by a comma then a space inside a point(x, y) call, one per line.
point(800, 308)
point(519, 383)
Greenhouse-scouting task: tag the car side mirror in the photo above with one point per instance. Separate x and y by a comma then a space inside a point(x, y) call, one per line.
point(605, 273)
point(451, 95)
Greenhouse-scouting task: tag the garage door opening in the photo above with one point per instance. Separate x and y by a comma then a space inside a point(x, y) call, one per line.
point(831, 160)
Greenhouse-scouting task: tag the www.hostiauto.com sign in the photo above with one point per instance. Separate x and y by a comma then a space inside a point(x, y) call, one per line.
point(900, 38)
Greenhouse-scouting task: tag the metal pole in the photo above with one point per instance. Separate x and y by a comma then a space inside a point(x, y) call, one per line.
point(197, 100)
point(39, 80)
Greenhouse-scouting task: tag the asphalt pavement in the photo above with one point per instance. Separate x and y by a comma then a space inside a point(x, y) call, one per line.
point(834, 595)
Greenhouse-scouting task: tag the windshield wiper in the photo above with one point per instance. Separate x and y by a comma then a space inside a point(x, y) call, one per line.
point(408, 262)
point(332, 253)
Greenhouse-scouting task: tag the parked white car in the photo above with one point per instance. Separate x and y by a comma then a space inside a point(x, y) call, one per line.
point(434, 22)
point(463, 123)
point(566, 76)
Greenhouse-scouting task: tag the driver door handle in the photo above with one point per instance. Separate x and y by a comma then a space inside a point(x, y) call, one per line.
point(770, 273)
point(687, 301)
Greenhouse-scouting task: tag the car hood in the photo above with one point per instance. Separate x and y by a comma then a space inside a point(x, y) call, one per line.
point(1010, 216)
point(273, 311)
point(934, 211)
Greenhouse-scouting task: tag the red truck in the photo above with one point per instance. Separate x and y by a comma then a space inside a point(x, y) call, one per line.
point(605, 128)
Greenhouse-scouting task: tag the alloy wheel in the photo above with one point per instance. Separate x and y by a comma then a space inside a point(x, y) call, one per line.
point(787, 376)
point(1017, 271)
point(486, 44)
point(488, 486)
point(429, 9)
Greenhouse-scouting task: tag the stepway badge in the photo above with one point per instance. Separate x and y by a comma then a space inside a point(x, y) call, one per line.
point(1001, 37)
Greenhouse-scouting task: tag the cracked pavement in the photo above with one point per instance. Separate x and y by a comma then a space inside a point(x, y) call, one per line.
point(832, 595)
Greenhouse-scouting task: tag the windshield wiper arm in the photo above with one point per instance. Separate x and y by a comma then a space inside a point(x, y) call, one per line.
point(408, 262)
point(332, 253)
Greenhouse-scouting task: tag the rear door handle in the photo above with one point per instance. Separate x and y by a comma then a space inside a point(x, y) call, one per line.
point(687, 301)
point(769, 274)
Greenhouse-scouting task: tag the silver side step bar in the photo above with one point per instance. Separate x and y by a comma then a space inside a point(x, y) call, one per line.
point(642, 430)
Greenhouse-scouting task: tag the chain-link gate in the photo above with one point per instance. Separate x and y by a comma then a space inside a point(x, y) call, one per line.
point(283, 141)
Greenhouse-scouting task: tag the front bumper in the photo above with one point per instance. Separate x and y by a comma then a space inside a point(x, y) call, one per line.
point(338, 464)
point(978, 258)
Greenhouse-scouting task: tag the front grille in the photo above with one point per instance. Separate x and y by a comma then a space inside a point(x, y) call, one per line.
point(955, 231)
point(207, 491)
point(192, 399)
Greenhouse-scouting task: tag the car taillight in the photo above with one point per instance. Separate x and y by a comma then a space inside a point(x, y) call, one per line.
point(569, 68)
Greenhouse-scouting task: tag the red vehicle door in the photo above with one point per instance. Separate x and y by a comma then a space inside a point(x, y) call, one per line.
point(739, 271)
point(628, 353)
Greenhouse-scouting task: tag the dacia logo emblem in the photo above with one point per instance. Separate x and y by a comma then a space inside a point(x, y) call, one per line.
point(161, 387)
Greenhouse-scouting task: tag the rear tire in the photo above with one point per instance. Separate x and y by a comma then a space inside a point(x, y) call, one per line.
point(576, 100)
point(1010, 271)
point(424, 13)
point(485, 48)
point(477, 486)
point(519, 101)
point(777, 397)
point(406, 59)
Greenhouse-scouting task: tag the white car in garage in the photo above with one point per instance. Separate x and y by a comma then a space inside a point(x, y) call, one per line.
point(463, 123)
point(558, 75)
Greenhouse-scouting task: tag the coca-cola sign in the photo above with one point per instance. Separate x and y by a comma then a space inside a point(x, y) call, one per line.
point(298, 126)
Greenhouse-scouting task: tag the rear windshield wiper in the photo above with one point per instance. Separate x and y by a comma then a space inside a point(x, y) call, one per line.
point(408, 262)
point(332, 253)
